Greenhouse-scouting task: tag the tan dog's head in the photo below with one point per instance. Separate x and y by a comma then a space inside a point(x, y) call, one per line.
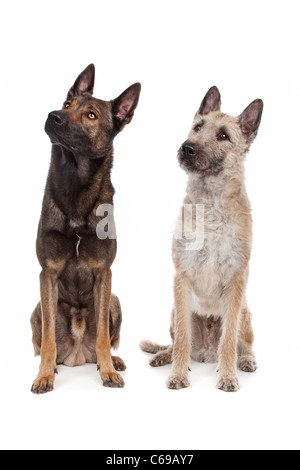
point(218, 142)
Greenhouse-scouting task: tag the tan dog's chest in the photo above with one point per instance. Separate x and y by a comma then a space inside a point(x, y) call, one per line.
point(210, 268)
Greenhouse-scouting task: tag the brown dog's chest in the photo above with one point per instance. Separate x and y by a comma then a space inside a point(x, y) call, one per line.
point(77, 279)
point(76, 284)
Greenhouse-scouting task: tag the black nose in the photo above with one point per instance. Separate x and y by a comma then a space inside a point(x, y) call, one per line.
point(189, 150)
point(57, 118)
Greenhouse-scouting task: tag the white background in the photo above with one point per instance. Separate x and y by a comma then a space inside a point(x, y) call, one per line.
point(177, 50)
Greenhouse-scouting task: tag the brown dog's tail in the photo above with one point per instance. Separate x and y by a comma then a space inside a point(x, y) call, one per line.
point(152, 348)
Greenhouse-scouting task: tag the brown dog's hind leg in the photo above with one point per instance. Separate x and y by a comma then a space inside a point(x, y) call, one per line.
point(115, 329)
point(115, 321)
point(118, 363)
point(36, 326)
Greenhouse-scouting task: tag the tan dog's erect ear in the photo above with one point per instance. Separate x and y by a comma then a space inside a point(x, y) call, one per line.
point(250, 119)
point(84, 83)
point(124, 106)
point(211, 102)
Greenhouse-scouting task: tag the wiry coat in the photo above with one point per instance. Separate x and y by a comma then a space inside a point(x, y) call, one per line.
point(211, 321)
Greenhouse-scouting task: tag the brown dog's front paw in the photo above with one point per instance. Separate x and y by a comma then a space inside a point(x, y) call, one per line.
point(112, 380)
point(228, 384)
point(177, 383)
point(43, 384)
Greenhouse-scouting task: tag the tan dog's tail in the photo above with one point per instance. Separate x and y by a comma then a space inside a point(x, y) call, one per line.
point(152, 348)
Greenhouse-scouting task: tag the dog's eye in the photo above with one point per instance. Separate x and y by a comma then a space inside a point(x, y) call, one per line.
point(67, 105)
point(92, 116)
point(223, 137)
point(198, 128)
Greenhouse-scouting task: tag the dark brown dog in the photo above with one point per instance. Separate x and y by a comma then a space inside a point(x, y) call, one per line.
point(78, 319)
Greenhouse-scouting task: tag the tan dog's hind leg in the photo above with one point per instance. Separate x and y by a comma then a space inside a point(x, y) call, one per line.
point(102, 296)
point(246, 359)
point(49, 300)
point(182, 339)
point(162, 358)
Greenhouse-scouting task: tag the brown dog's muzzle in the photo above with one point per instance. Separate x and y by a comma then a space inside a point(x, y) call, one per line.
point(56, 118)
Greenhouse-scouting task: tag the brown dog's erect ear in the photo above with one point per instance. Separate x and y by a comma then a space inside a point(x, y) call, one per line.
point(250, 119)
point(84, 83)
point(124, 106)
point(211, 102)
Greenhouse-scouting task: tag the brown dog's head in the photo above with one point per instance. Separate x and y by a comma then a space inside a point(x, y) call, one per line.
point(218, 142)
point(86, 125)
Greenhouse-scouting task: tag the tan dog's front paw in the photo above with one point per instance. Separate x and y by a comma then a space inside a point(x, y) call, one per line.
point(228, 384)
point(178, 382)
point(112, 380)
point(43, 384)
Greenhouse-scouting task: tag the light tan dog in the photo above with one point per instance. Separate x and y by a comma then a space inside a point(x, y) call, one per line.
point(211, 321)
